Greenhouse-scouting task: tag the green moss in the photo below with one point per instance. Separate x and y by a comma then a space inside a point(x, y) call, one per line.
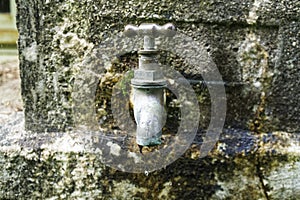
point(124, 84)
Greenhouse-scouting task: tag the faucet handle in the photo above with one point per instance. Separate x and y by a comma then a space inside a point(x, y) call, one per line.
point(151, 30)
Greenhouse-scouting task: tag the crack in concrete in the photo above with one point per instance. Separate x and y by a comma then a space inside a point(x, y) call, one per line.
point(261, 180)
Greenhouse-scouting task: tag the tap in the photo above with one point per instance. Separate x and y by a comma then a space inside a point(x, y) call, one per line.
point(149, 83)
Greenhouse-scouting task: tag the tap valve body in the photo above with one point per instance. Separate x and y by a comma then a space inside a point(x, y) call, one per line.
point(148, 84)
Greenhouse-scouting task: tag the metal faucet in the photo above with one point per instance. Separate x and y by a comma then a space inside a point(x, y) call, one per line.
point(148, 84)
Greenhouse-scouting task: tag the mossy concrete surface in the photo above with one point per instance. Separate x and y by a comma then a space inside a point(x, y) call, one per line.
point(69, 165)
point(70, 62)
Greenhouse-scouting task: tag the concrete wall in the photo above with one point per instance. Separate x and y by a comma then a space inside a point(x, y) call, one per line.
point(244, 38)
point(255, 45)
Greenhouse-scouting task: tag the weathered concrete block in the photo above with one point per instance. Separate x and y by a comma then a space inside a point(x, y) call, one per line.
point(244, 55)
point(50, 51)
point(273, 12)
point(69, 165)
point(284, 100)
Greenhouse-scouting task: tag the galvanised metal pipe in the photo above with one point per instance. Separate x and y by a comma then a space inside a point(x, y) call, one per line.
point(148, 85)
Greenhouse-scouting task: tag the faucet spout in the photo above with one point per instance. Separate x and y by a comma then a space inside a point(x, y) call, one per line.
point(150, 115)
